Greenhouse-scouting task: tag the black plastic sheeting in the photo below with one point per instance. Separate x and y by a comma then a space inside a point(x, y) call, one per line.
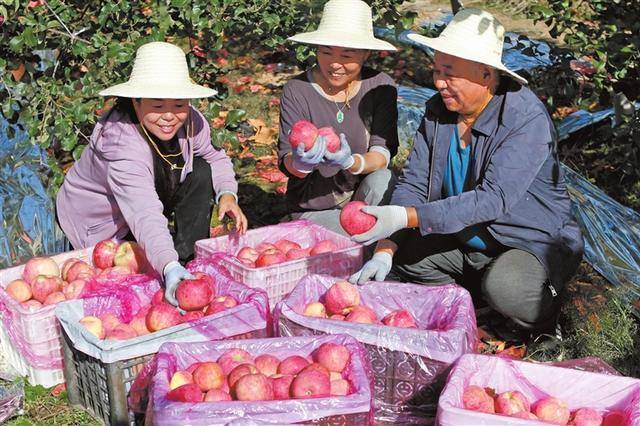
point(28, 224)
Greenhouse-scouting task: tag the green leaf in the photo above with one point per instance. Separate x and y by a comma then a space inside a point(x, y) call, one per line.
point(234, 117)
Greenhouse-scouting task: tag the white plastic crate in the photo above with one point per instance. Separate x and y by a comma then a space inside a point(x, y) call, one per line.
point(39, 330)
point(278, 280)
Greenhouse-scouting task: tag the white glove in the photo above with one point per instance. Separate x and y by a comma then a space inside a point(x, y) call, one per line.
point(377, 267)
point(389, 220)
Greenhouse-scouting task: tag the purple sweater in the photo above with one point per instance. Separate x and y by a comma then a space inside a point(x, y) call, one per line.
point(110, 189)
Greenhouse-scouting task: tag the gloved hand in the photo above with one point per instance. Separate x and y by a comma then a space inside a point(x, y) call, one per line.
point(342, 157)
point(390, 219)
point(377, 267)
point(174, 273)
point(307, 161)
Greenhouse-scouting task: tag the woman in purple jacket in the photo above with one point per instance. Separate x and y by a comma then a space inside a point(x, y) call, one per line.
point(357, 102)
point(150, 160)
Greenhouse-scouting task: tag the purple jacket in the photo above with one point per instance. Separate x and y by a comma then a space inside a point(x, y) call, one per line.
point(520, 191)
point(110, 189)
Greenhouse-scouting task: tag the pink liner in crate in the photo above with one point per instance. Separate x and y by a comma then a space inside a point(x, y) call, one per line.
point(578, 389)
point(31, 339)
point(353, 409)
point(278, 280)
point(409, 365)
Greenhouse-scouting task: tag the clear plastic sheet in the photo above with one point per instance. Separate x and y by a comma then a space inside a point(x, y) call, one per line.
point(578, 389)
point(11, 399)
point(353, 409)
point(409, 365)
point(28, 223)
point(251, 314)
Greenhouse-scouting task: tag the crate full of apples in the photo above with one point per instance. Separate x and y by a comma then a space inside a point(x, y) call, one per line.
point(275, 257)
point(322, 379)
point(120, 332)
point(412, 333)
point(489, 390)
point(30, 336)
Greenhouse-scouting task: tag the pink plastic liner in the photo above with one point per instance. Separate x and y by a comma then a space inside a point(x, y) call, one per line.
point(444, 314)
point(173, 357)
point(603, 392)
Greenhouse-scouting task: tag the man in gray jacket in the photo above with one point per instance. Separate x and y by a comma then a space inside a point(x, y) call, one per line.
point(482, 200)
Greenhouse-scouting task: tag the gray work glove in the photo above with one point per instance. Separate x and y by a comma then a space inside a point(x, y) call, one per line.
point(174, 273)
point(377, 267)
point(342, 158)
point(389, 220)
point(306, 162)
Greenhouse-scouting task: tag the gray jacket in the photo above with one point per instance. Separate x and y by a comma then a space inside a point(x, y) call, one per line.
point(520, 191)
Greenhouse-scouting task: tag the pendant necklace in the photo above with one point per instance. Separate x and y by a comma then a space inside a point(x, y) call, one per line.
point(172, 166)
point(340, 114)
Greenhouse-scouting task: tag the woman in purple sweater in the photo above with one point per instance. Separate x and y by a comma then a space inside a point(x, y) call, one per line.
point(150, 160)
point(360, 104)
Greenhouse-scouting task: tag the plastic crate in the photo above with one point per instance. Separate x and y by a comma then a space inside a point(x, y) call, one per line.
point(33, 346)
point(352, 409)
point(102, 388)
point(278, 280)
point(409, 366)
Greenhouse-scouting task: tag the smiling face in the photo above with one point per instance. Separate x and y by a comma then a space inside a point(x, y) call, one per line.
point(339, 66)
point(464, 85)
point(162, 117)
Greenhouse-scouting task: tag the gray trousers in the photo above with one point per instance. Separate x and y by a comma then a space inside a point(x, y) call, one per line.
point(375, 189)
point(512, 282)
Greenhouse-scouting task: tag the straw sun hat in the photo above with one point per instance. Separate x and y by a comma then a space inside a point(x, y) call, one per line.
point(474, 35)
point(159, 71)
point(345, 23)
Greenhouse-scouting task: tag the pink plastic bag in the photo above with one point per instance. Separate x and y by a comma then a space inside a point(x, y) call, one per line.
point(353, 409)
point(279, 279)
point(577, 388)
point(409, 365)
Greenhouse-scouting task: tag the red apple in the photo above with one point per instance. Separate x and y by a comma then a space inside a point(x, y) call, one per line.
point(511, 402)
point(324, 246)
point(42, 286)
point(303, 132)
point(353, 220)
point(130, 255)
point(158, 297)
point(285, 245)
point(294, 253)
point(208, 375)
point(31, 305)
point(193, 294)
point(192, 316)
point(215, 395)
point(121, 332)
point(340, 387)
point(614, 418)
point(332, 140)
point(232, 358)
point(292, 364)
point(341, 298)
point(316, 367)
point(185, 393)
point(254, 387)
point(180, 378)
point(267, 364)
point(93, 325)
point(552, 410)
point(40, 266)
point(282, 385)
point(265, 247)
point(103, 253)
point(19, 290)
point(219, 304)
point(248, 253)
point(266, 259)
point(74, 289)
point(362, 314)
point(66, 265)
point(110, 321)
point(315, 309)
point(239, 371)
point(78, 270)
point(400, 318)
point(139, 325)
point(477, 399)
point(586, 417)
point(162, 316)
point(311, 384)
point(333, 356)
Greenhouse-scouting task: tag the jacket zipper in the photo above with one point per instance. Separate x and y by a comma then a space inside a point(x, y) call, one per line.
point(433, 155)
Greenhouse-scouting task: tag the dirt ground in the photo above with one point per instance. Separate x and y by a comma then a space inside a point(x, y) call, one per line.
point(429, 9)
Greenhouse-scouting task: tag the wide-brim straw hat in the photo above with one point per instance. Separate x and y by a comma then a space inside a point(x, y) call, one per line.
point(159, 71)
point(472, 34)
point(345, 23)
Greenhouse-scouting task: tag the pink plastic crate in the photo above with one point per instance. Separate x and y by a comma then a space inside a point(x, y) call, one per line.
point(278, 280)
point(602, 392)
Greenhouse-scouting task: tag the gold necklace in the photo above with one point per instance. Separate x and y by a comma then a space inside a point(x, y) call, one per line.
point(164, 156)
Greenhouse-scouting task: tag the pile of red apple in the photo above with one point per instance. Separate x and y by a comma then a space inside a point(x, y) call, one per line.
point(195, 296)
point(265, 254)
point(353, 220)
point(44, 282)
point(342, 302)
point(305, 132)
point(236, 375)
point(549, 409)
